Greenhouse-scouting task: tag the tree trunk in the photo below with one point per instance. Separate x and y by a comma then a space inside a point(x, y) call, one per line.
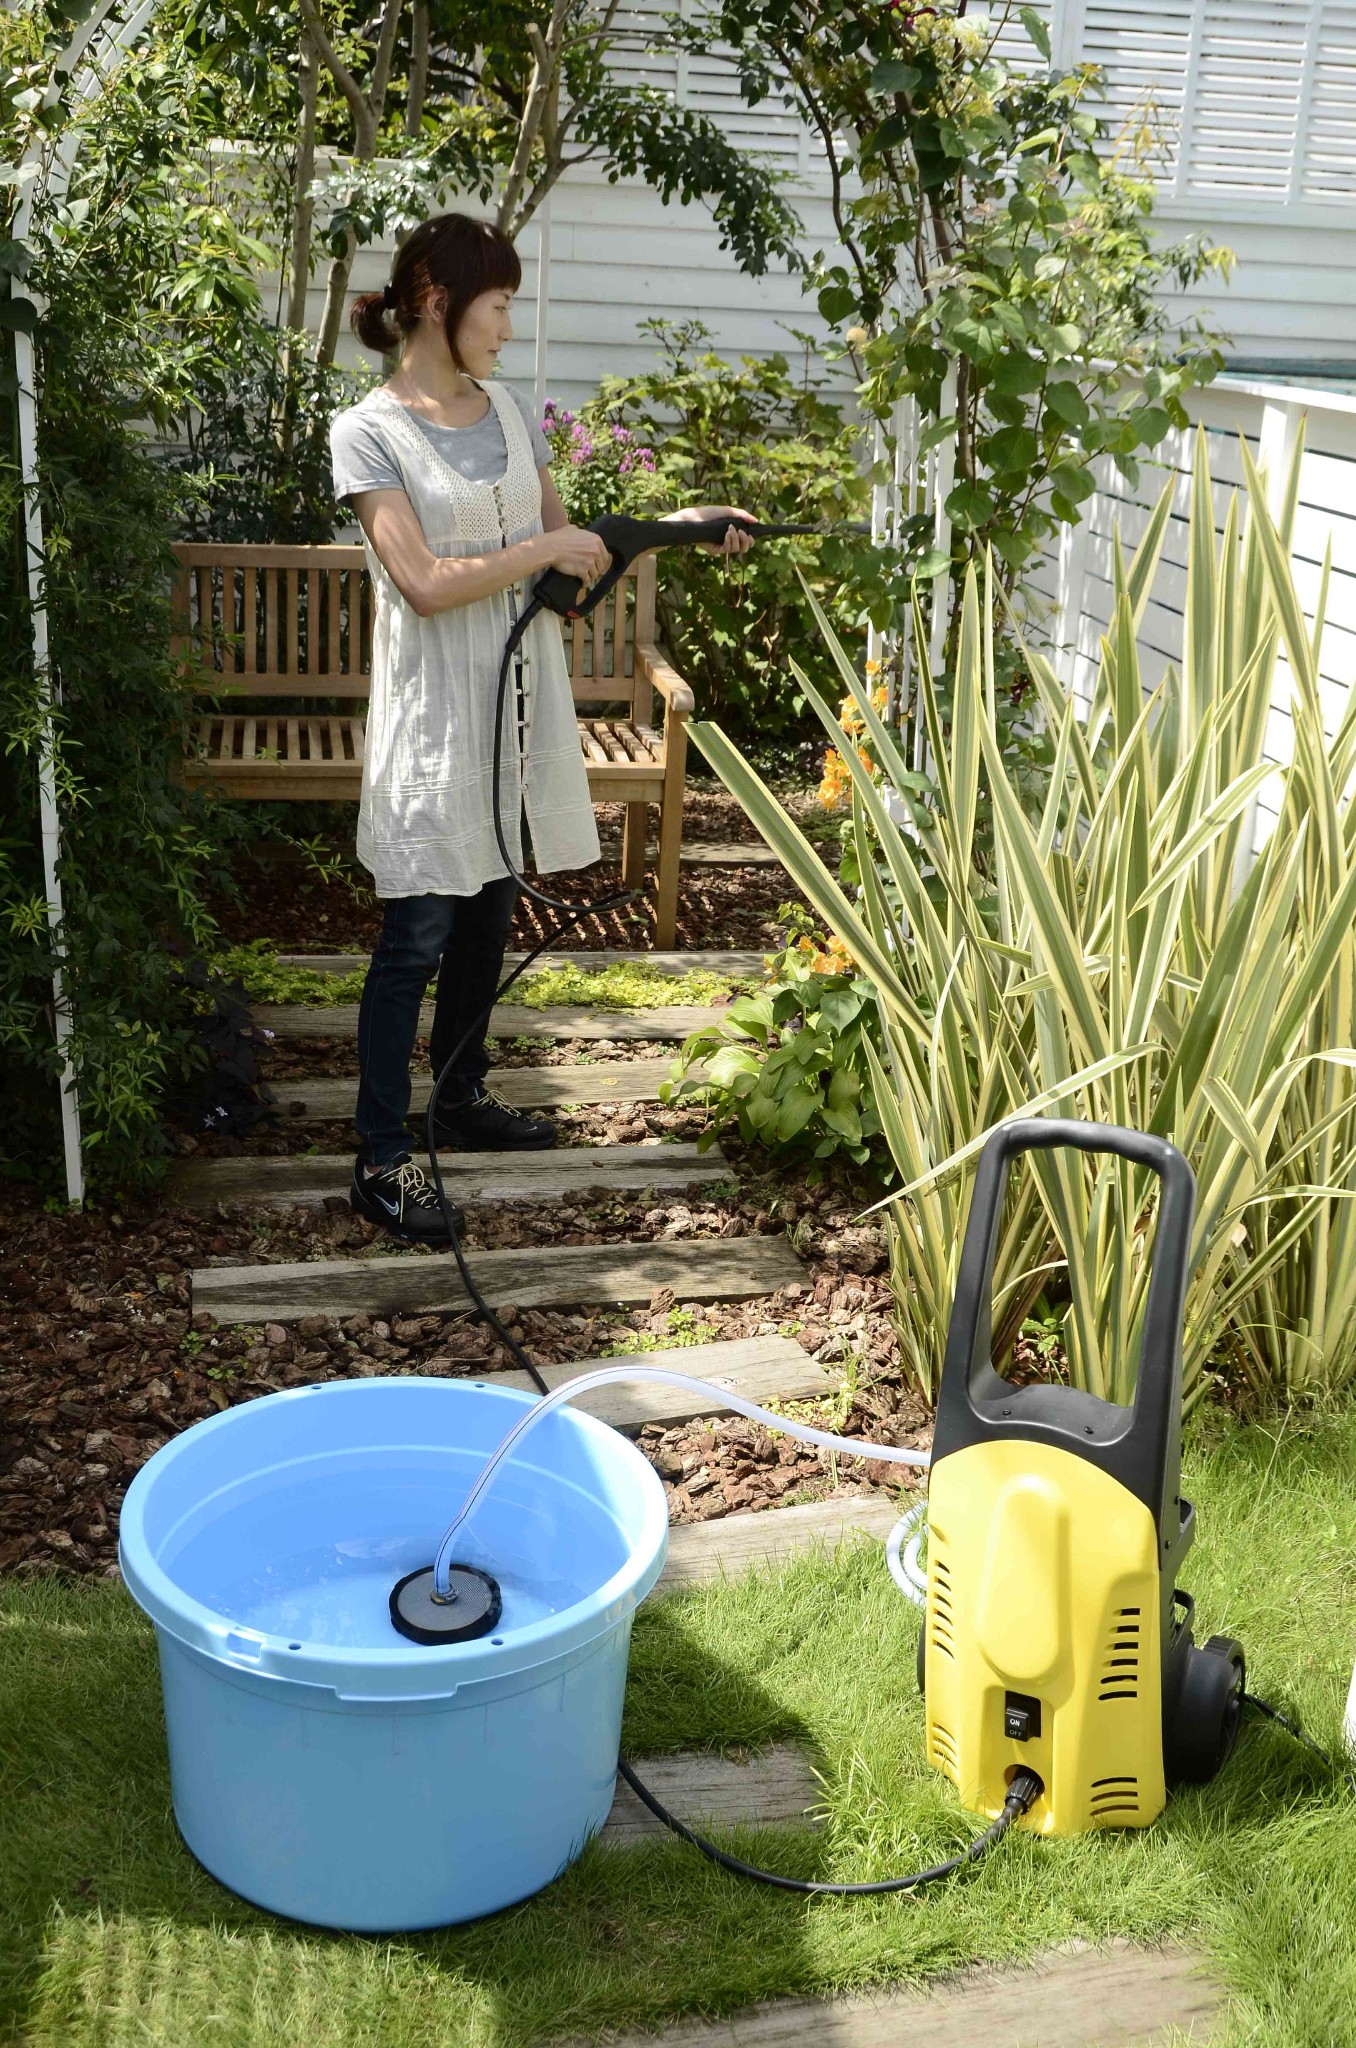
point(541, 115)
point(414, 109)
point(303, 212)
point(367, 109)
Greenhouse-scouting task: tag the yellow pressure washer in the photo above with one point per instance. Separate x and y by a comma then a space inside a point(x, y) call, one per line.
point(1055, 1638)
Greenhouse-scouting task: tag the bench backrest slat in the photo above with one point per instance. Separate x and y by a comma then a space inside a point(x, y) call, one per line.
point(323, 621)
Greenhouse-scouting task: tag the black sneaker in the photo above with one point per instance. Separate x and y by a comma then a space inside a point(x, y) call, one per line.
point(402, 1199)
point(484, 1122)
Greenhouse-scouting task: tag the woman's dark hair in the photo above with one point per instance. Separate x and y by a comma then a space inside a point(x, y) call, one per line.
point(465, 256)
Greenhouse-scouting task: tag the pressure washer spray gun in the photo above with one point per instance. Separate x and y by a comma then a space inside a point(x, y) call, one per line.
point(557, 590)
point(625, 538)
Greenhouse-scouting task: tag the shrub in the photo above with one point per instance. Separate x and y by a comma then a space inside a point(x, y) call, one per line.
point(755, 437)
point(1119, 961)
point(789, 1068)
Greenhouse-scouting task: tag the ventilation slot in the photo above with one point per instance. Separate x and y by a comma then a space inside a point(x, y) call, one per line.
point(943, 1632)
point(943, 1749)
point(1120, 1660)
point(1114, 1795)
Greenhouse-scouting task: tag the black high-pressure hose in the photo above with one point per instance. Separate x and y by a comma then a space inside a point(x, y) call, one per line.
point(556, 590)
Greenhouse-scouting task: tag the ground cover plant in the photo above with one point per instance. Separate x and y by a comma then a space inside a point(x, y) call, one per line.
point(625, 985)
point(787, 1066)
point(113, 1935)
point(1119, 959)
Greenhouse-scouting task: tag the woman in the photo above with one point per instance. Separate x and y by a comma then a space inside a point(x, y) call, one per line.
point(448, 476)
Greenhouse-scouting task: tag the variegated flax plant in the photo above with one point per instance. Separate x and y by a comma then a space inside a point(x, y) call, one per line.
point(1125, 962)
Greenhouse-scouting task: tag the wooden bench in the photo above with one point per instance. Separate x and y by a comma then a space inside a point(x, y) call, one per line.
point(260, 624)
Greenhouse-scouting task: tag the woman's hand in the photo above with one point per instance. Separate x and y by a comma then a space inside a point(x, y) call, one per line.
point(736, 541)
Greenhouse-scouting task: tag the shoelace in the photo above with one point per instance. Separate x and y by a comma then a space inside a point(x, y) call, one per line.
point(414, 1184)
point(509, 1108)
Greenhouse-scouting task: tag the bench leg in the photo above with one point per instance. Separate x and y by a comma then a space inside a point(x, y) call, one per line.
point(670, 833)
point(633, 845)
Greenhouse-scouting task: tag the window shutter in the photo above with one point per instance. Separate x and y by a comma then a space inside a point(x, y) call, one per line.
point(1327, 123)
point(1254, 98)
point(709, 84)
point(1012, 43)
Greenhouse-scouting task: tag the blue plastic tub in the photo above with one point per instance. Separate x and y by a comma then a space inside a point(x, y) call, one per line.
point(322, 1765)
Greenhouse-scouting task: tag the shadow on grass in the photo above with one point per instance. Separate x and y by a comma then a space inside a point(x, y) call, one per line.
point(110, 1930)
point(111, 1934)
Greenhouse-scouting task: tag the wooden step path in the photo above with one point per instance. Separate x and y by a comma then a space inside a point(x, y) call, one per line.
point(702, 1551)
point(1077, 1996)
point(467, 1176)
point(771, 1790)
point(330, 1098)
point(706, 853)
point(507, 1020)
point(760, 1369)
point(737, 963)
point(560, 1276)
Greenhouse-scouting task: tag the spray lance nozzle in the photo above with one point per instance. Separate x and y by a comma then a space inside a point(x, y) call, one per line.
point(626, 538)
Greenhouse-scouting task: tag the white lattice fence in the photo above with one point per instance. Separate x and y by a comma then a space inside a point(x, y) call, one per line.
point(1074, 586)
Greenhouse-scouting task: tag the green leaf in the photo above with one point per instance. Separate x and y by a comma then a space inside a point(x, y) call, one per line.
point(1067, 402)
point(752, 1014)
point(796, 1110)
point(836, 301)
point(891, 75)
point(938, 431)
point(1036, 29)
point(1015, 373)
point(970, 504)
point(1010, 451)
point(933, 563)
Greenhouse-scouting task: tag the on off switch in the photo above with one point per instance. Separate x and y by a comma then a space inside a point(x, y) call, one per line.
point(1021, 1717)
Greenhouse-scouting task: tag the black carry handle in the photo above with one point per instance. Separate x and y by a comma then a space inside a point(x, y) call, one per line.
point(626, 538)
point(1141, 1447)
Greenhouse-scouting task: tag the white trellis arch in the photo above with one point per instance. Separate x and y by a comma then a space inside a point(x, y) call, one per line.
point(89, 62)
point(92, 57)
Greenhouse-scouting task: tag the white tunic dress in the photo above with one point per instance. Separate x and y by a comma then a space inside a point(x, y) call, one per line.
point(425, 821)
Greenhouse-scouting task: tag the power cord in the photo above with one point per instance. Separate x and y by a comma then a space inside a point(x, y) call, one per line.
point(1293, 1728)
point(1026, 1787)
point(1023, 1793)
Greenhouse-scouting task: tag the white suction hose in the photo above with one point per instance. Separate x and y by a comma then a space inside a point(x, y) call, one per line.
point(608, 1375)
point(905, 1570)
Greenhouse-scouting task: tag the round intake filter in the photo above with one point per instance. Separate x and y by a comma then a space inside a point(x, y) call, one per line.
point(473, 1611)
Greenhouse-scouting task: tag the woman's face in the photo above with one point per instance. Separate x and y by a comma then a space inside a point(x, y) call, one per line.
point(486, 327)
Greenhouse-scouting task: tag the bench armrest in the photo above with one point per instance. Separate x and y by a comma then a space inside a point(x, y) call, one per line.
point(678, 698)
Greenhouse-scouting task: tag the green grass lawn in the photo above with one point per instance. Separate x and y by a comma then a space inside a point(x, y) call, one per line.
point(110, 1933)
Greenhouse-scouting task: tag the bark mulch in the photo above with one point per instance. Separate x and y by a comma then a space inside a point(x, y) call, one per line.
point(282, 898)
point(101, 1360)
point(303, 913)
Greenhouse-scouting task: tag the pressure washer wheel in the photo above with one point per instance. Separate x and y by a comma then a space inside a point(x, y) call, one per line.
point(922, 1656)
point(1209, 1709)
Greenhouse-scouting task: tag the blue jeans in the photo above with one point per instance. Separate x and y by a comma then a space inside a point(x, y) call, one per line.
point(462, 940)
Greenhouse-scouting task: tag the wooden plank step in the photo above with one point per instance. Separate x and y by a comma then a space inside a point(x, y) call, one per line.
point(762, 1369)
point(560, 1276)
point(706, 853)
point(468, 1176)
point(770, 1790)
point(699, 1551)
point(1076, 1996)
point(714, 960)
point(326, 1099)
point(507, 1020)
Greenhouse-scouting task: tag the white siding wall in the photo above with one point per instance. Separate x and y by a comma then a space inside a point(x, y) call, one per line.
point(1269, 418)
point(620, 255)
